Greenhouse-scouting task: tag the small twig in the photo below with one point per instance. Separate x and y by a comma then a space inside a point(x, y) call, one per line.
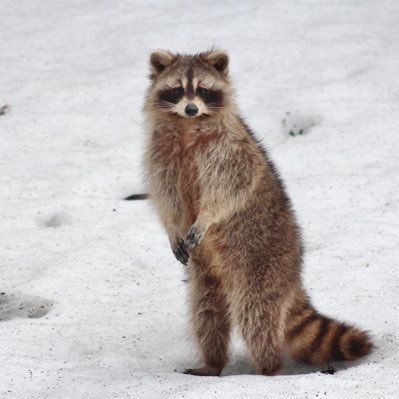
point(136, 197)
point(4, 109)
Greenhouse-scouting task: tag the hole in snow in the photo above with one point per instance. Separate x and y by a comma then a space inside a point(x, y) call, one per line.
point(297, 124)
point(23, 306)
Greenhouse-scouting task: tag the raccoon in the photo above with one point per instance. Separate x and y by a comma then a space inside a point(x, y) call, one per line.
point(228, 218)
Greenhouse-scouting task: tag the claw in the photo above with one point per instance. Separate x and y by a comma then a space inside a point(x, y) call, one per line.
point(180, 251)
point(194, 238)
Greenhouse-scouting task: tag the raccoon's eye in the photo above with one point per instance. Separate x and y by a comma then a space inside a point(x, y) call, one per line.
point(202, 92)
point(177, 92)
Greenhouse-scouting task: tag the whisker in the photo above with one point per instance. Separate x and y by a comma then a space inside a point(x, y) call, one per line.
point(165, 104)
point(214, 106)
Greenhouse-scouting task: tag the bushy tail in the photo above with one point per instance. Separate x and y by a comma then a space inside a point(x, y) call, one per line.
point(315, 339)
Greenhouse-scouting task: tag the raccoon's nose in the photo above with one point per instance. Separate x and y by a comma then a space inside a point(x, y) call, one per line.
point(191, 110)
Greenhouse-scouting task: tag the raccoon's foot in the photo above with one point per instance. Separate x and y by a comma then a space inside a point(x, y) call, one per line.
point(205, 371)
point(270, 372)
point(179, 249)
point(194, 236)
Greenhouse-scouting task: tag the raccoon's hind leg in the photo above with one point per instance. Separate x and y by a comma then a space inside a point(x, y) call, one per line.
point(210, 316)
point(261, 318)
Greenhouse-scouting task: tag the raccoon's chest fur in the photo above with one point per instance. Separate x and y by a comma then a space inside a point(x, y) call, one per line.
point(175, 161)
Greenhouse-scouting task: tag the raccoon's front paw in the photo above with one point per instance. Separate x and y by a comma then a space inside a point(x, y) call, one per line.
point(180, 251)
point(194, 237)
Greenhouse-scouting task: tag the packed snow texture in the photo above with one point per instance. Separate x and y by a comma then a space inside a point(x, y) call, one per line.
point(92, 302)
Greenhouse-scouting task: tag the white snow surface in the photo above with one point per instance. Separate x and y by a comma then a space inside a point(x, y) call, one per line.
point(93, 303)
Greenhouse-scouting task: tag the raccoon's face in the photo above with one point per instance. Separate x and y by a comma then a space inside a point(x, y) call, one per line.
point(189, 86)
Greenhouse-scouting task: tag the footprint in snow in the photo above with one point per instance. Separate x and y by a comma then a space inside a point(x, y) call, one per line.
point(56, 219)
point(23, 306)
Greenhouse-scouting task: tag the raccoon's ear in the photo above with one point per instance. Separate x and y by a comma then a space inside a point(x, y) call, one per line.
point(160, 60)
point(219, 60)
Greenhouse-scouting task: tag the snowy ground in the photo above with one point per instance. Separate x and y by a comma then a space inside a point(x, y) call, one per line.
point(92, 301)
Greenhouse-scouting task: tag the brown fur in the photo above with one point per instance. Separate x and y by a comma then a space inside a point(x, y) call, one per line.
point(223, 205)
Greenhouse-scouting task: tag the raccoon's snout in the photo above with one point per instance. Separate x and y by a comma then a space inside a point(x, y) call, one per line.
point(191, 110)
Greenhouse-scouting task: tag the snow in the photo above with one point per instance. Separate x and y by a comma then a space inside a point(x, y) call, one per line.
point(93, 304)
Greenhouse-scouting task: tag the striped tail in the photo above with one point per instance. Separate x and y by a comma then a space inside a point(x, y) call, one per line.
point(316, 339)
